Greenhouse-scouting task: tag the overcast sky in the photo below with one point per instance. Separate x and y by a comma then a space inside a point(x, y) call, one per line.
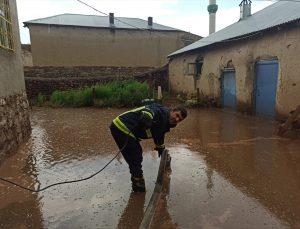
point(187, 15)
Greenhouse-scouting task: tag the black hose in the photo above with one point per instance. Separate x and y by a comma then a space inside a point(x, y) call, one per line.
point(67, 182)
point(71, 181)
point(59, 183)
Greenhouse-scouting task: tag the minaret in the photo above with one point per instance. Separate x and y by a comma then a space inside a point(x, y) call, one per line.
point(212, 9)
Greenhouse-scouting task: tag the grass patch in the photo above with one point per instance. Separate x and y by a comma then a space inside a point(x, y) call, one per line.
point(114, 94)
point(40, 100)
point(73, 98)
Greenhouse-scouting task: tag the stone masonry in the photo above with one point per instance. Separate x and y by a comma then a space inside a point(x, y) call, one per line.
point(45, 80)
point(14, 123)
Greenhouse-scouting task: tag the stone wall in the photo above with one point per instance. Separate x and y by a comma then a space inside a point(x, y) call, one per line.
point(46, 80)
point(26, 55)
point(156, 77)
point(14, 114)
point(14, 123)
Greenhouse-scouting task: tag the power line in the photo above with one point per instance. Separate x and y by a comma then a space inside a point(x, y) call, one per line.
point(108, 15)
point(182, 39)
point(145, 30)
point(150, 31)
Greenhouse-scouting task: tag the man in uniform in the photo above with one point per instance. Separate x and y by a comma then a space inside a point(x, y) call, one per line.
point(150, 121)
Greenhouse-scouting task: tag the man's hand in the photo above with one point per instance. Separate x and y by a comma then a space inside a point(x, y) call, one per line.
point(159, 150)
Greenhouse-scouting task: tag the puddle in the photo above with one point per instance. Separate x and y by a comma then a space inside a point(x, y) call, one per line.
point(228, 171)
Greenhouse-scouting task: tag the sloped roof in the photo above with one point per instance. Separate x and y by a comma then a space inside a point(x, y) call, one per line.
point(98, 21)
point(274, 15)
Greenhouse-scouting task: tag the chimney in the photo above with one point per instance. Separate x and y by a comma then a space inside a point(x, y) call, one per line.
point(245, 9)
point(111, 19)
point(150, 22)
point(212, 9)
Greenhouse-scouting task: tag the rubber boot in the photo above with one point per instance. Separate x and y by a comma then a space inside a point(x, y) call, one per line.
point(138, 184)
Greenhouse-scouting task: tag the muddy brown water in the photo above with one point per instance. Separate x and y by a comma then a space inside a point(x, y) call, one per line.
point(228, 171)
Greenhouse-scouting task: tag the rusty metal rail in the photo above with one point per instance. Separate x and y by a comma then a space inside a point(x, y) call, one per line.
point(150, 210)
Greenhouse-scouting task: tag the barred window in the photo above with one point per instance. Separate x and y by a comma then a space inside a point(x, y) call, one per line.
point(6, 36)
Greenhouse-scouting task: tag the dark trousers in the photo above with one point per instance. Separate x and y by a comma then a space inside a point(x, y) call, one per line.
point(131, 150)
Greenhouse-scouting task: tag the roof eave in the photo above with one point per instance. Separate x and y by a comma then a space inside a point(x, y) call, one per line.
point(242, 37)
point(26, 24)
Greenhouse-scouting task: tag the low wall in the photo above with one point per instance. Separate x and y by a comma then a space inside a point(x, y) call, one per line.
point(14, 123)
point(26, 55)
point(46, 80)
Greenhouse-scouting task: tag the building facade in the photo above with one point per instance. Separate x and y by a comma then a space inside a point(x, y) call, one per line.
point(83, 40)
point(255, 72)
point(14, 110)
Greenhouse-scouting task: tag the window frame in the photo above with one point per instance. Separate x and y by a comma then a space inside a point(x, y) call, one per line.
point(6, 32)
point(195, 69)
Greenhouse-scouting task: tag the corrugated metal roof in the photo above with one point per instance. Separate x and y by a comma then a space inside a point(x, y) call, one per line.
point(98, 21)
point(274, 15)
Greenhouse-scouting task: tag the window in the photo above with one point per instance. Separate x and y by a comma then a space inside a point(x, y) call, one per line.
point(195, 69)
point(6, 36)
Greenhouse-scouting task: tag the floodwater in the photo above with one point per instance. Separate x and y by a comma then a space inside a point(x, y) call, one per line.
point(228, 171)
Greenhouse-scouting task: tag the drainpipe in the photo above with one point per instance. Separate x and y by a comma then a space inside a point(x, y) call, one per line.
point(245, 9)
point(212, 9)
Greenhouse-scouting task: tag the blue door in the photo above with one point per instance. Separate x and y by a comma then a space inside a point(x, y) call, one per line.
point(228, 90)
point(265, 87)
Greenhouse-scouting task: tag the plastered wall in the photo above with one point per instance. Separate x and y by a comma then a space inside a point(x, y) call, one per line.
point(14, 110)
point(80, 46)
point(283, 45)
point(11, 68)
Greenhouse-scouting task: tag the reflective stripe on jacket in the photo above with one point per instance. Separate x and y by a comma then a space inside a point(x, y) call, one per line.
point(151, 121)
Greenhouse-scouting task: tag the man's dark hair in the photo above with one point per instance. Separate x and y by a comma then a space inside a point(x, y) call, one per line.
point(182, 110)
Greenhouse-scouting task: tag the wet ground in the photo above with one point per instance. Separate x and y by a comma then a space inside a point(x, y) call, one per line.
point(228, 171)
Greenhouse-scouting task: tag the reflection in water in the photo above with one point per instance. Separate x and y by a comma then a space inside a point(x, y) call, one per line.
point(191, 203)
point(134, 211)
point(247, 153)
point(20, 208)
point(210, 184)
point(228, 171)
point(66, 144)
point(162, 218)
